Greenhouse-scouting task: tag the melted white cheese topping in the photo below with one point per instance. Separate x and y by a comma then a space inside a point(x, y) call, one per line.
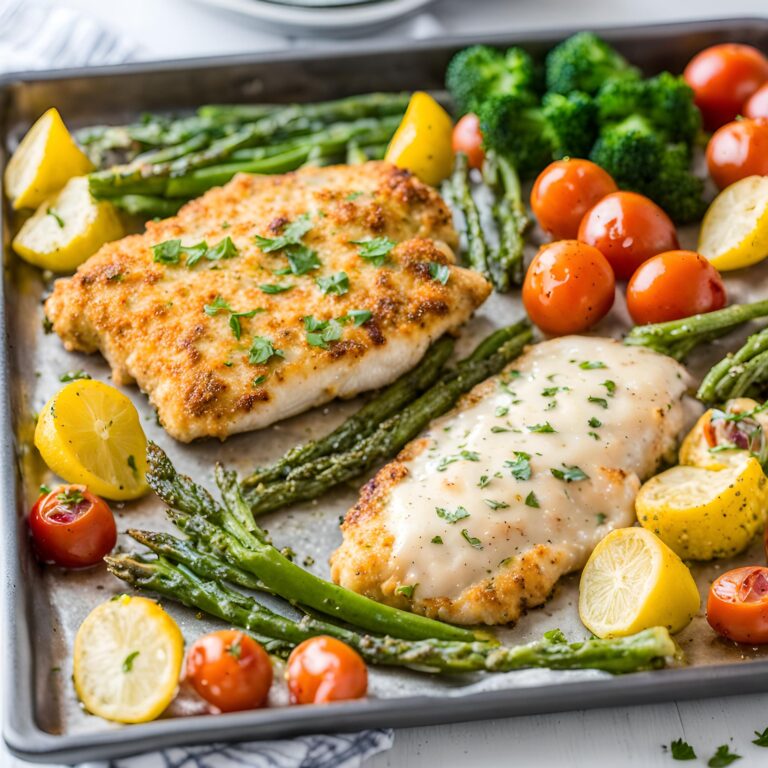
point(533, 462)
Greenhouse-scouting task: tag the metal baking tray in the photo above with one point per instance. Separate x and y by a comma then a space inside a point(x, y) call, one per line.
point(43, 607)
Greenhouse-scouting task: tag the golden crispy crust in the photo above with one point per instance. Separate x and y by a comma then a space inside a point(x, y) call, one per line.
point(148, 319)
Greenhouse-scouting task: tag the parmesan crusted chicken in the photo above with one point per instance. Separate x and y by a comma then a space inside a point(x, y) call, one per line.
point(477, 520)
point(271, 295)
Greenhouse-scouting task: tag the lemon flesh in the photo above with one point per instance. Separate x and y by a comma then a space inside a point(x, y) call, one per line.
point(127, 659)
point(633, 581)
point(90, 434)
point(702, 513)
point(45, 160)
point(67, 228)
point(734, 232)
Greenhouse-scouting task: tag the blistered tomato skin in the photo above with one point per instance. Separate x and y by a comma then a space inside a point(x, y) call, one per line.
point(323, 669)
point(738, 150)
point(564, 191)
point(628, 229)
point(71, 527)
point(737, 606)
point(230, 670)
point(674, 285)
point(723, 77)
point(568, 288)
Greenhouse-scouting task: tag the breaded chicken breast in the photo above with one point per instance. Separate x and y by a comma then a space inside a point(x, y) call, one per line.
point(271, 295)
point(477, 520)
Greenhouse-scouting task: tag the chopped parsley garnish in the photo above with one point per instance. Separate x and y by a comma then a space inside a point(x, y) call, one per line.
point(569, 474)
point(262, 350)
point(595, 423)
point(762, 738)
point(439, 272)
point(338, 283)
point(471, 540)
point(601, 401)
point(74, 375)
point(465, 455)
point(292, 233)
point(610, 387)
point(53, 214)
point(131, 461)
point(436, 540)
point(532, 501)
point(601, 518)
point(496, 430)
point(451, 515)
point(70, 497)
point(167, 252)
point(320, 333)
point(591, 365)
point(44, 489)
point(359, 316)
point(552, 391)
point(520, 468)
point(128, 661)
point(681, 750)
point(483, 481)
point(194, 253)
point(236, 649)
point(221, 305)
point(170, 252)
point(722, 757)
point(259, 380)
point(301, 260)
point(496, 504)
point(354, 195)
point(501, 411)
point(375, 250)
point(546, 427)
point(406, 590)
point(274, 288)
point(594, 435)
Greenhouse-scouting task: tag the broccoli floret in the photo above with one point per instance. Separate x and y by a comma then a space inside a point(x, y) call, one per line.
point(583, 62)
point(572, 123)
point(519, 131)
point(618, 99)
point(480, 72)
point(676, 189)
point(671, 108)
point(631, 151)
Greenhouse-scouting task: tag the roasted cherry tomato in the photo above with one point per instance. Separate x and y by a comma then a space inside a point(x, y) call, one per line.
point(468, 139)
point(673, 285)
point(723, 77)
point(738, 150)
point(324, 669)
point(568, 288)
point(230, 670)
point(627, 229)
point(737, 606)
point(757, 105)
point(564, 192)
point(72, 527)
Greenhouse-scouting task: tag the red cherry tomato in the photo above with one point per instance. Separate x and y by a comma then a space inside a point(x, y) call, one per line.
point(72, 527)
point(564, 192)
point(673, 285)
point(628, 229)
point(568, 288)
point(738, 150)
point(757, 105)
point(468, 139)
point(723, 77)
point(737, 606)
point(324, 669)
point(230, 670)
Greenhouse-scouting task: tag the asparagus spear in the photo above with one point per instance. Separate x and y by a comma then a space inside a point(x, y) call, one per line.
point(739, 374)
point(197, 513)
point(362, 423)
point(148, 206)
point(314, 478)
point(645, 650)
point(677, 338)
point(477, 251)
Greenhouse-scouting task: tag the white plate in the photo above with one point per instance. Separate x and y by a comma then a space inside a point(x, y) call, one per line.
point(329, 21)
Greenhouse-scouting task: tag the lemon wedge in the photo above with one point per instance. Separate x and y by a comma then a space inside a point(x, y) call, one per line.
point(67, 228)
point(127, 659)
point(634, 581)
point(734, 232)
point(89, 434)
point(45, 160)
point(701, 513)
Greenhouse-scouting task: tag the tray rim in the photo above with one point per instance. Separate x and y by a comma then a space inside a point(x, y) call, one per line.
point(27, 740)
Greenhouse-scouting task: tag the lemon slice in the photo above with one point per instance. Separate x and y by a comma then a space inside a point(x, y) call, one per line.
point(89, 434)
point(702, 513)
point(127, 659)
point(67, 228)
point(734, 233)
point(633, 581)
point(45, 160)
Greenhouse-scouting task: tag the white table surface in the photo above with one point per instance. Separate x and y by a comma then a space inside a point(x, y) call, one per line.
point(626, 736)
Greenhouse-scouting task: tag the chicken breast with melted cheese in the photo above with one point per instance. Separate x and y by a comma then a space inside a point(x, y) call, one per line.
point(477, 520)
point(333, 281)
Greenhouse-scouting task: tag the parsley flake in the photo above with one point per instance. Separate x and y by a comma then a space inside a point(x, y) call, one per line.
point(601, 401)
point(591, 365)
point(501, 411)
point(436, 540)
point(128, 661)
point(259, 380)
point(374, 250)
point(722, 757)
point(292, 232)
point(462, 455)
point(496, 504)
point(451, 515)
point(167, 252)
point(359, 316)
point(262, 350)
point(131, 462)
point(439, 272)
point(595, 423)
point(681, 750)
point(762, 738)
point(532, 501)
point(520, 468)
point(544, 428)
point(53, 214)
point(406, 590)
point(483, 481)
point(338, 284)
point(570, 474)
point(471, 540)
point(610, 387)
point(71, 497)
point(194, 253)
point(74, 375)
point(274, 288)
point(320, 333)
